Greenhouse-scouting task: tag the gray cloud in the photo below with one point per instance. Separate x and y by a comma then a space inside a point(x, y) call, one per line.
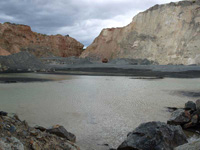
point(81, 19)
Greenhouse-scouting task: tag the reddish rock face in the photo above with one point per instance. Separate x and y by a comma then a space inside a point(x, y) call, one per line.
point(15, 38)
point(3, 52)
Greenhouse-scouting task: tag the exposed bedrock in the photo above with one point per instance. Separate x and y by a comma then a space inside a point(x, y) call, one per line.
point(15, 38)
point(167, 34)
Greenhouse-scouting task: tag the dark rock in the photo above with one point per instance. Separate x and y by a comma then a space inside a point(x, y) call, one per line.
point(198, 104)
point(12, 129)
point(195, 119)
point(179, 117)
point(190, 105)
point(154, 136)
point(195, 145)
point(40, 128)
point(192, 123)
point(62, 132)
point(128, 61)
point(2, 113)
point(171, 109)
point(22, 61)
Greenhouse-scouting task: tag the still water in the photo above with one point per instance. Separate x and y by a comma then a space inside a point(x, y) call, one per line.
point(97, 109)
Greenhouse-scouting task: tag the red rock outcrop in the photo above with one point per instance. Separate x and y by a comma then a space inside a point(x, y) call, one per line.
point(15, 38)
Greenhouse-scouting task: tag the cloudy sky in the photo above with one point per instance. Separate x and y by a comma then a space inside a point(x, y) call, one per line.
point(81, 19)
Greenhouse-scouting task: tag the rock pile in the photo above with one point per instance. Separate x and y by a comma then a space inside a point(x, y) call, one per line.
point(17, 134)
point(188, 117)
point(154, 136)
point(22, 61)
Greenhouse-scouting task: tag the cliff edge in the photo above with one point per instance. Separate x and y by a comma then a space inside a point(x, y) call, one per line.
point(15, 38)
point(167, 34)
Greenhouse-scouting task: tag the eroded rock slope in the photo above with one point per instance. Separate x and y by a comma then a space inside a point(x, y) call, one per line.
point(15, 38)
point(167, 34)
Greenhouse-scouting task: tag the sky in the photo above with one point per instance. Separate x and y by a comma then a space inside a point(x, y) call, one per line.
point(80, 19)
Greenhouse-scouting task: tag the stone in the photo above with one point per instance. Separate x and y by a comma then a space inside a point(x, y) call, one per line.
point(18, 135)
point(162, 39)
point(2, 113)
point(34, 133)
point(12, 129)
point(190, 105)
point(11, 143)
point(62, 132)
point(179, 117)
point(198, 105)
point(192, 123)
point(195, 145)
point(154, 136)
point(40, 128)
point(194, 119)
point(35, 146)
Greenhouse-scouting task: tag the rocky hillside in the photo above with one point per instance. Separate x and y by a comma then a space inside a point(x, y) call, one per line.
point(167, 34)
point(15, 38)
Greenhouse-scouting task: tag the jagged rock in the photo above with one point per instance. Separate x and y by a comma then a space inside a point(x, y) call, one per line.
point(168, 37)
point(15, 38)
point(40, 128)
point(195, 145)
point(190, 105)
point(154, 136)
point(26, 137)
point(179, 117)
point(62, 132)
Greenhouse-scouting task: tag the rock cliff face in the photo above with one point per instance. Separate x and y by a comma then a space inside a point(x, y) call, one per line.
point(167, 34)
point(15, 38)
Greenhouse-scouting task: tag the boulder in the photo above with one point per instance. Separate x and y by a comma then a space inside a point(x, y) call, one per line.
point(179, 117)
point(154, 136)
point(190, 105)
point(62, 132)
point(195, 145)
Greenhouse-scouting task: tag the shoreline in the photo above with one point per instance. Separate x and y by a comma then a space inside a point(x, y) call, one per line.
point(152, 71)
